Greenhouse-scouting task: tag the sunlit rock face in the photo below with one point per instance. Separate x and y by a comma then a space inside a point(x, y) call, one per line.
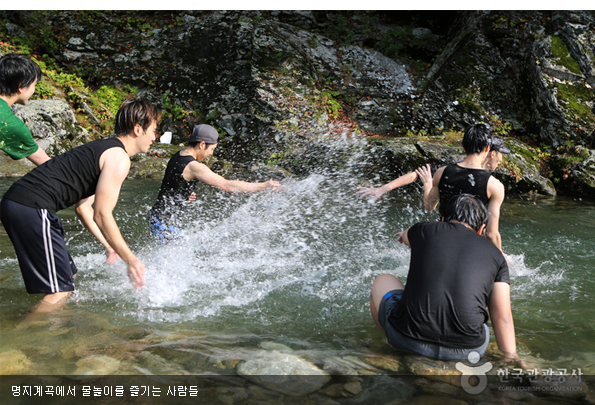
point(278, 85)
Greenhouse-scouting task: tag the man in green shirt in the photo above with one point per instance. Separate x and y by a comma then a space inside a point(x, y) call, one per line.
point(18, 77)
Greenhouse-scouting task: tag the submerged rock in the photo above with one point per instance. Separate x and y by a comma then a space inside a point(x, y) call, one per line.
point(97, 365)
point(14, 362)
point(282, 372)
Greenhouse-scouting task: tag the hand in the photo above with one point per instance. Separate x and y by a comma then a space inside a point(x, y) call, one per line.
point(425, 175)
point(399, 236)
point(112, 256)
point(375, 192)
point(136, 273)
point(192, 197)
point(275, 185)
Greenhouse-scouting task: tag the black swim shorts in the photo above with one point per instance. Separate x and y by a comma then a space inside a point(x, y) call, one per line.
point(38, 239)
point(388, 303)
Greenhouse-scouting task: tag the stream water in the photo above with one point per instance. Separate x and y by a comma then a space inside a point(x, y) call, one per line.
point(289, 272)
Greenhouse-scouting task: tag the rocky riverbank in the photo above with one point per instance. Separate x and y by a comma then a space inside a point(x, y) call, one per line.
point(281, 87)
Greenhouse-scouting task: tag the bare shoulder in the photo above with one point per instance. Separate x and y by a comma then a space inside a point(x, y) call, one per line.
point(114, 158)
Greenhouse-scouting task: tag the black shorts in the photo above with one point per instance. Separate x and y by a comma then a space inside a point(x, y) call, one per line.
point(388, 303)
point(38, 239)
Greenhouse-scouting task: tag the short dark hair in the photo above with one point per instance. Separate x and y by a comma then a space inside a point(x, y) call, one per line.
point(195, 144)
point(476, 138)
point(467, 209)
point(17, 71)
point(133, 112)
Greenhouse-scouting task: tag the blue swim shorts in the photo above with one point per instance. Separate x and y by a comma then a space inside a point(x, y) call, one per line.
point(388, 303)
point(161, 231)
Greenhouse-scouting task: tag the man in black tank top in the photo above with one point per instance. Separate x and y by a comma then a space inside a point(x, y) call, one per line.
point(183, 171)
point(470, 177)
point(89, 176)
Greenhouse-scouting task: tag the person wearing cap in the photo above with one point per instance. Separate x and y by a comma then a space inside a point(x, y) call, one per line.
point(184, 170)
point(470, 177)
point(497, 148)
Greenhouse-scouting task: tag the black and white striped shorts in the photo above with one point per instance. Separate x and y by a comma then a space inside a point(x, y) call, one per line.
point(38, 239)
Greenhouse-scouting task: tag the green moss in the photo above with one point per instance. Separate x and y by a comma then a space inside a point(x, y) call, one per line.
point(561, 52)
point(573, 97)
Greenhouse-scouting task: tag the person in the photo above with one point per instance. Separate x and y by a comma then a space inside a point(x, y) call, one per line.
point(184, 170)
point(18, 77)
point(497, 149)
point(89, 174)
point(469, 176)
point(457, 279)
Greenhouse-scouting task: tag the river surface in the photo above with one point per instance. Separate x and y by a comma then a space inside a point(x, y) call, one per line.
point(288, 272)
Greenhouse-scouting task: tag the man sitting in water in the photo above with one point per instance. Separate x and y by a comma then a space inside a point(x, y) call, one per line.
point(455, 278)
point(183, 171)
point(90, 173)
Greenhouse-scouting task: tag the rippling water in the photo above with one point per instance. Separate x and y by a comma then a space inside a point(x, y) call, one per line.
point(291, 268)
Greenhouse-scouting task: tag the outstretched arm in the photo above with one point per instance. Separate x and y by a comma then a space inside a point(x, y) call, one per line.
point(501, 316)
point(38, 157)
point(84, 210)
point(378, 192)
point(115, 165)
point(403, 237)
point(201, 172)
point(496, 198)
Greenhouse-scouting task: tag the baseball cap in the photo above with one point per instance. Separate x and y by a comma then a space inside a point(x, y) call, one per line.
point(203, 133)
point(497, 145)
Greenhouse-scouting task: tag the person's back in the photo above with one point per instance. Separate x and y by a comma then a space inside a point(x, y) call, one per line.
point(457, 180)
point(175, 190)
point(451, 275)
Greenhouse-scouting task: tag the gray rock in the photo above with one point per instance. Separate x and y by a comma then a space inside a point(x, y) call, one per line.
point(53, 124)
point(282, 372)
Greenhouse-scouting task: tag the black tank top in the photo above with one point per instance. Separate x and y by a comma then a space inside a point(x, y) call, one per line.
point(175, 189)
point(457, 180)
point(64, 180)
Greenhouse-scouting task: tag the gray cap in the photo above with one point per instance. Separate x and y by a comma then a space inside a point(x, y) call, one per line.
point(497, 144)
point(203, 133)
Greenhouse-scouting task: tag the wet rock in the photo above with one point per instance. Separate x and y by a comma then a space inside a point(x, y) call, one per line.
point(435, 370)
point(149, 363)
point(14, 362)
point(343, 390)
point(348, 365)
point(382, 389)
point(97, 365)
point(283, 373)
point(434, 400)
point(275, 346)
point(385, 362)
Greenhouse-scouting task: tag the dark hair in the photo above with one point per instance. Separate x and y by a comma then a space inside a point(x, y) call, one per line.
point(195, 144)
point(476, 138)
point(17, 71)
point(467, 209)
point(133, 112)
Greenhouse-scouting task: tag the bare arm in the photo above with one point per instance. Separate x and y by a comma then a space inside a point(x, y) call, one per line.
point(403, 237)
point(501, 316)
point(496, 196)
point(432, 195)
point(378, 192)
point(115, 165)
point(200, 171)
point(84, 210)
point(38, 157)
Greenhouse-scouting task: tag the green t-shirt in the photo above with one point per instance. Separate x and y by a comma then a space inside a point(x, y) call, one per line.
point(15, 138)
